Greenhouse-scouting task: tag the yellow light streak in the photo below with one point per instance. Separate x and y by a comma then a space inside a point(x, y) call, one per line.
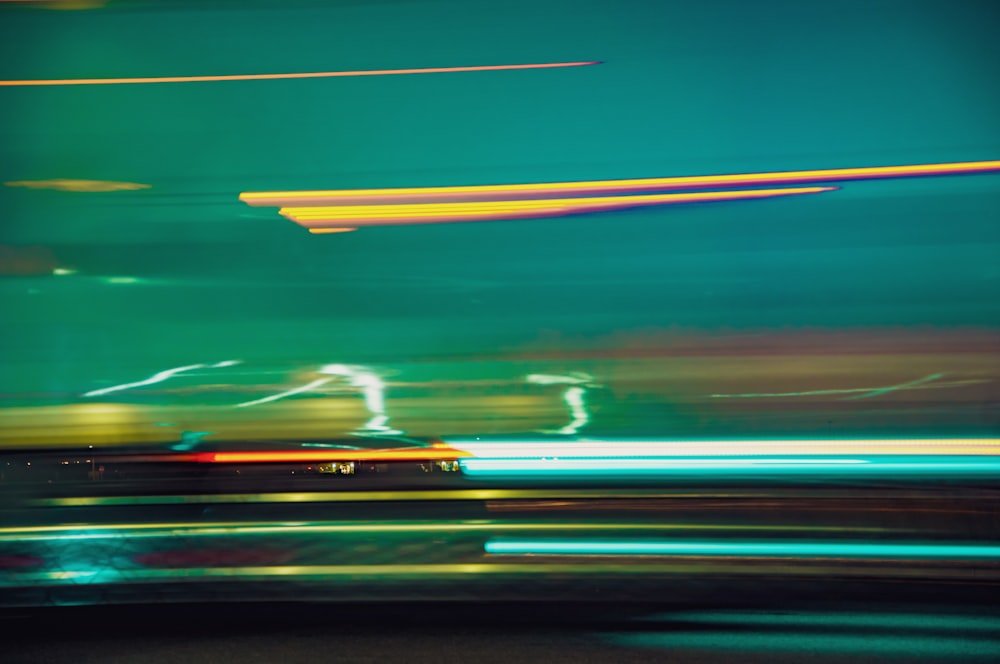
point(236, 528)
point(279, 198)
point(417, 210)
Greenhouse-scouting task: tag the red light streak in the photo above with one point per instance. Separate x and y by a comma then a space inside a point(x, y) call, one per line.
point(319, 455)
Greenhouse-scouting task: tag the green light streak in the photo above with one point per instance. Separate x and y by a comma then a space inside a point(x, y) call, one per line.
point(795, 549)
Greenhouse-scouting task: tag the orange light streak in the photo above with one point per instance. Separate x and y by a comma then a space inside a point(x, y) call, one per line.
point(534, 190)
point(436, 453)
point(298, 75)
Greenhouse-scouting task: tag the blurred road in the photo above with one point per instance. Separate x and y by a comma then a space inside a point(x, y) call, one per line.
point(498, 632)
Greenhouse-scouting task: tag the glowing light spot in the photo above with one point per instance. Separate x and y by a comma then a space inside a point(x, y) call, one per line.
point(296, 75)
point(86, 186)
point(63, 271)
point(121, 280)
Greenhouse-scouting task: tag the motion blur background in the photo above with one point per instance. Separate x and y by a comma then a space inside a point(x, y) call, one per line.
point(145, 309)
point(881, 283)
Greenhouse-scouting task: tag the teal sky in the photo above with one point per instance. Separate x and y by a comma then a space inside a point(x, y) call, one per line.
point(683, 88)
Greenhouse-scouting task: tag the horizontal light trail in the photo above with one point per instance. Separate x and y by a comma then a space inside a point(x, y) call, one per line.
point(521, 567)
point(367, 215)
point(680, 467)
point(321, 454)
point(522, 449)
point(236, 528)
point(793, 549)
point(296, 75)
point(159, 377)
point(591, 187)
point(372, 496)
point(322, 572)
point(546, 205)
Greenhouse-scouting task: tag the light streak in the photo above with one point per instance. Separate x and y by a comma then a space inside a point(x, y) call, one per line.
point(573, 396)
point(674, 467)
point(361, 496)
point(322, 572)
point(578, 409)
point(158, 377)
point(860, 392)
point(892, 388)
point(575, 378)
point(355, 216)
point(289, 76)
point(553, 189)
point(620, 448)
point(242, 528)
point(318, 455)
point(287, 393)
point(793, 549)
point(345, 229)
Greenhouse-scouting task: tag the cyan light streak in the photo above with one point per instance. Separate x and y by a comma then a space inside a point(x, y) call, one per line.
point(747, 448)
point(707, 467)
point(159, 377)
point(788, 549)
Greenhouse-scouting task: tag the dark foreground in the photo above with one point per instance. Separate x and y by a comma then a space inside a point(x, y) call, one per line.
point(771, 632)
